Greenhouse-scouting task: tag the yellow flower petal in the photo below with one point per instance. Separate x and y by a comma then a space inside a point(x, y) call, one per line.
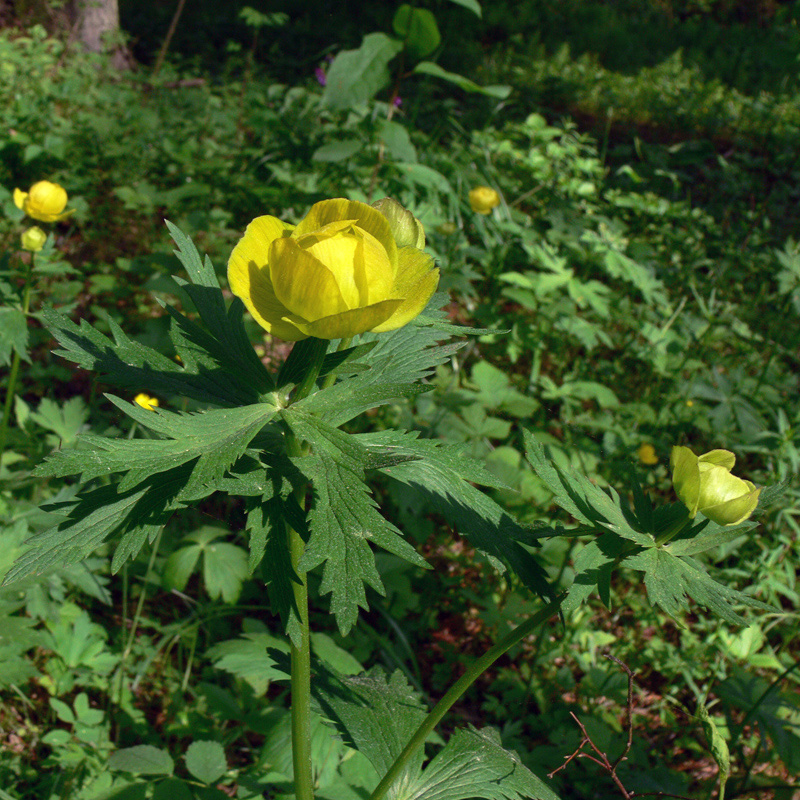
point(19, 198)
point(249, 277)
point(366, 217)
point(303, 283)
point(416, 282)
point(352, 322)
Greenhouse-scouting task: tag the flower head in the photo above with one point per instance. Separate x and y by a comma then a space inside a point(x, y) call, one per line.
point(647, 454)
point(145, 401)
point(45, 201)
point(341, 271)
point(705, 484)
point(483, 199)
point(33, 239)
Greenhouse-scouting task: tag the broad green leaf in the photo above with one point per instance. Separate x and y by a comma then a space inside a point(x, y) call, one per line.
point(343, 401)
point(13, 335)
point(168, 789)
point(65, 421)
point(473, 5)
point(266, 524)
point(224, 564)
point(142, 760)
point(425, 176)
point(418, 29)
point(593, 567)
point(328, 651)
point(224, 570)
point(248, 658)
point(474, 764)
point(429, 68)
point(397, 140)
point(375, 716)
point(206, 761)
point(356, 76)
point(337, 151)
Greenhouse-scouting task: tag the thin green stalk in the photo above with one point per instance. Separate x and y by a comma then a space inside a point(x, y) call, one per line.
point(458, 688)
point(137, 616)
point(301, 655)
point(11, 389)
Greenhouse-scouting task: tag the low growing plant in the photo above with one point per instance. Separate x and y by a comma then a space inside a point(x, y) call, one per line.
point(365, 336)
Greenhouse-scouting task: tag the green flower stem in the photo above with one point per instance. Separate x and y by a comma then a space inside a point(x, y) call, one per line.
point(301, 655)
point(330, 378)
point(458, 689)
point(670, 533)
point(11, 389)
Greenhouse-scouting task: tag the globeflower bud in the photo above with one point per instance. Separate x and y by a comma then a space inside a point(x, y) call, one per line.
point(406, 228)
point(705, 484)
point(33, 239)
point(340, 272)
point(483, 199)
point(45, 201)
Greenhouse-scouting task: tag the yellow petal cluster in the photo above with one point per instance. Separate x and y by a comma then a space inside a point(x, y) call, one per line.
point(44, 201)
point(33, 239)
point(705, 484)
point(340, 272)
point(145, 401)
point(482, 199)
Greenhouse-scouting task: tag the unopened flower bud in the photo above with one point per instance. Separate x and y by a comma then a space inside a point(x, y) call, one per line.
point(33, 239)
point(705, 484)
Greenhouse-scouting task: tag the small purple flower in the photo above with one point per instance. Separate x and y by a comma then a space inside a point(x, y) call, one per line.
point(320, 74)
point(397, 102)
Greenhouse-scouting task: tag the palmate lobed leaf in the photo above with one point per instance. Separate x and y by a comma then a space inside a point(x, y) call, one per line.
point(88, 520)
point(446, 473)
point(344, 518)
point(671, 580)
point(129, 364)
point(213, 439)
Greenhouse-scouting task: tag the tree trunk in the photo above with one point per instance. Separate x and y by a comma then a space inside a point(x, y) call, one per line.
point(97, 23)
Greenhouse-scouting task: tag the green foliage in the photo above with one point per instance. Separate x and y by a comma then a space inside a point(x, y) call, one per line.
point(637, 291)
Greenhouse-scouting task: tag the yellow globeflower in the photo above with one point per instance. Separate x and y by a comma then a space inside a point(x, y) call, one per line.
point(483, 199)
point(705, 484)
point(145, 401)
point(33, 239)
point(45, 201)
point(647, 454)
point(339, 272)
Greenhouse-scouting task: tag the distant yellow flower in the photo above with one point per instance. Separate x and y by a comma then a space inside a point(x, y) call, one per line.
point(45, 201)
point(647, 454)
point(705, 484)
point(346, 268)
point(689, 403)
point(145, 401)
point(483, 199)
point(33, 239)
